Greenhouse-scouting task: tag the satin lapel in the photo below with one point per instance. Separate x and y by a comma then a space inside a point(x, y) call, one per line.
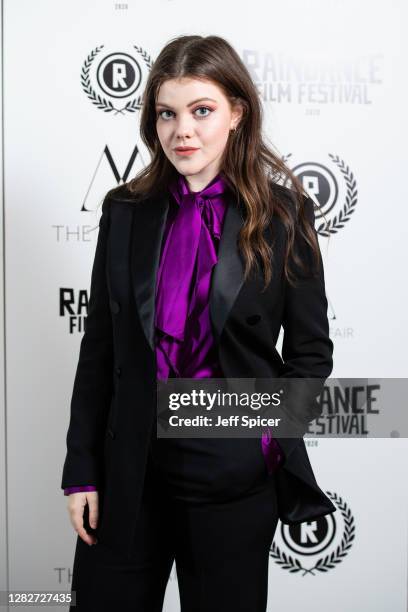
point(228, 273)
point(149, 220)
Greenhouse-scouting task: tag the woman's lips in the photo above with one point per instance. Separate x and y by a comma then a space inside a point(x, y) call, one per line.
point(185, 152)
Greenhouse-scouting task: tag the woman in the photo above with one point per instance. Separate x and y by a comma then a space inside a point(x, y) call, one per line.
point(200, 259)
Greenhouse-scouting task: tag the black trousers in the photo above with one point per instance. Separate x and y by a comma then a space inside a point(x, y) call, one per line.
point(208, 505)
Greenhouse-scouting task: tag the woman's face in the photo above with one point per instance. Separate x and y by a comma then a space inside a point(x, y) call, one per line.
point(194, 113)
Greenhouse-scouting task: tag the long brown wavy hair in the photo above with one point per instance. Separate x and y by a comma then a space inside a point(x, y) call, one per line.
point(251, 168)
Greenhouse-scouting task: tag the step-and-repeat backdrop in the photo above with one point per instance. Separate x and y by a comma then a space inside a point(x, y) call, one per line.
point(331, 76)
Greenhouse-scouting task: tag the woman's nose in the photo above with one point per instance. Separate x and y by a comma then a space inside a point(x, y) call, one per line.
point(184, 128)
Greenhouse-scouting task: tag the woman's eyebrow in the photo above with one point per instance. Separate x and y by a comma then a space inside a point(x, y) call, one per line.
point(189, 104)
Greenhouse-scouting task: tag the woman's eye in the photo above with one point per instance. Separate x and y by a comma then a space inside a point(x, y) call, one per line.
point(204, 108)
point(200, 108)
point(159, 114)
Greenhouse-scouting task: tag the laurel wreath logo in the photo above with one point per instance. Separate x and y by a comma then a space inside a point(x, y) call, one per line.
point(337, 222)
point(102, 103)
point(323, 564)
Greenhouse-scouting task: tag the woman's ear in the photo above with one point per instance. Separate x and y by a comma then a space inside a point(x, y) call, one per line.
point(236, 115)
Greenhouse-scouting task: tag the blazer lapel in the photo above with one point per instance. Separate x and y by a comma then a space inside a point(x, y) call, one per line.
point(228, 273)
point(149, 221)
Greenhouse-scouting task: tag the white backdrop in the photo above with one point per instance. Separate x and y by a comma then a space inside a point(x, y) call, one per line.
point(332, 78)
point(3, 505)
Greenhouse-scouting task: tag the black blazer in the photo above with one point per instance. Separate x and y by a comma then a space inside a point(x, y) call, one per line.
point(114, 395)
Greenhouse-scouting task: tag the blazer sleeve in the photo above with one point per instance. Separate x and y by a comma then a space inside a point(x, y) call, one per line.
point(307, 350)
point(93, 382)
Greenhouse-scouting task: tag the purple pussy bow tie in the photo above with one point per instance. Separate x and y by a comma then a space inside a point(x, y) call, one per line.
point(183, 262)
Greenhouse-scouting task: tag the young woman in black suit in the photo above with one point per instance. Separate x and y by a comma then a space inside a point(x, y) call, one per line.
point(200, 260)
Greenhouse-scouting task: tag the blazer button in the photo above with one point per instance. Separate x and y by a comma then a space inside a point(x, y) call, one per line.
point(111, 432)
point(253, 319)
point(115, 306)
point(118, 371)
